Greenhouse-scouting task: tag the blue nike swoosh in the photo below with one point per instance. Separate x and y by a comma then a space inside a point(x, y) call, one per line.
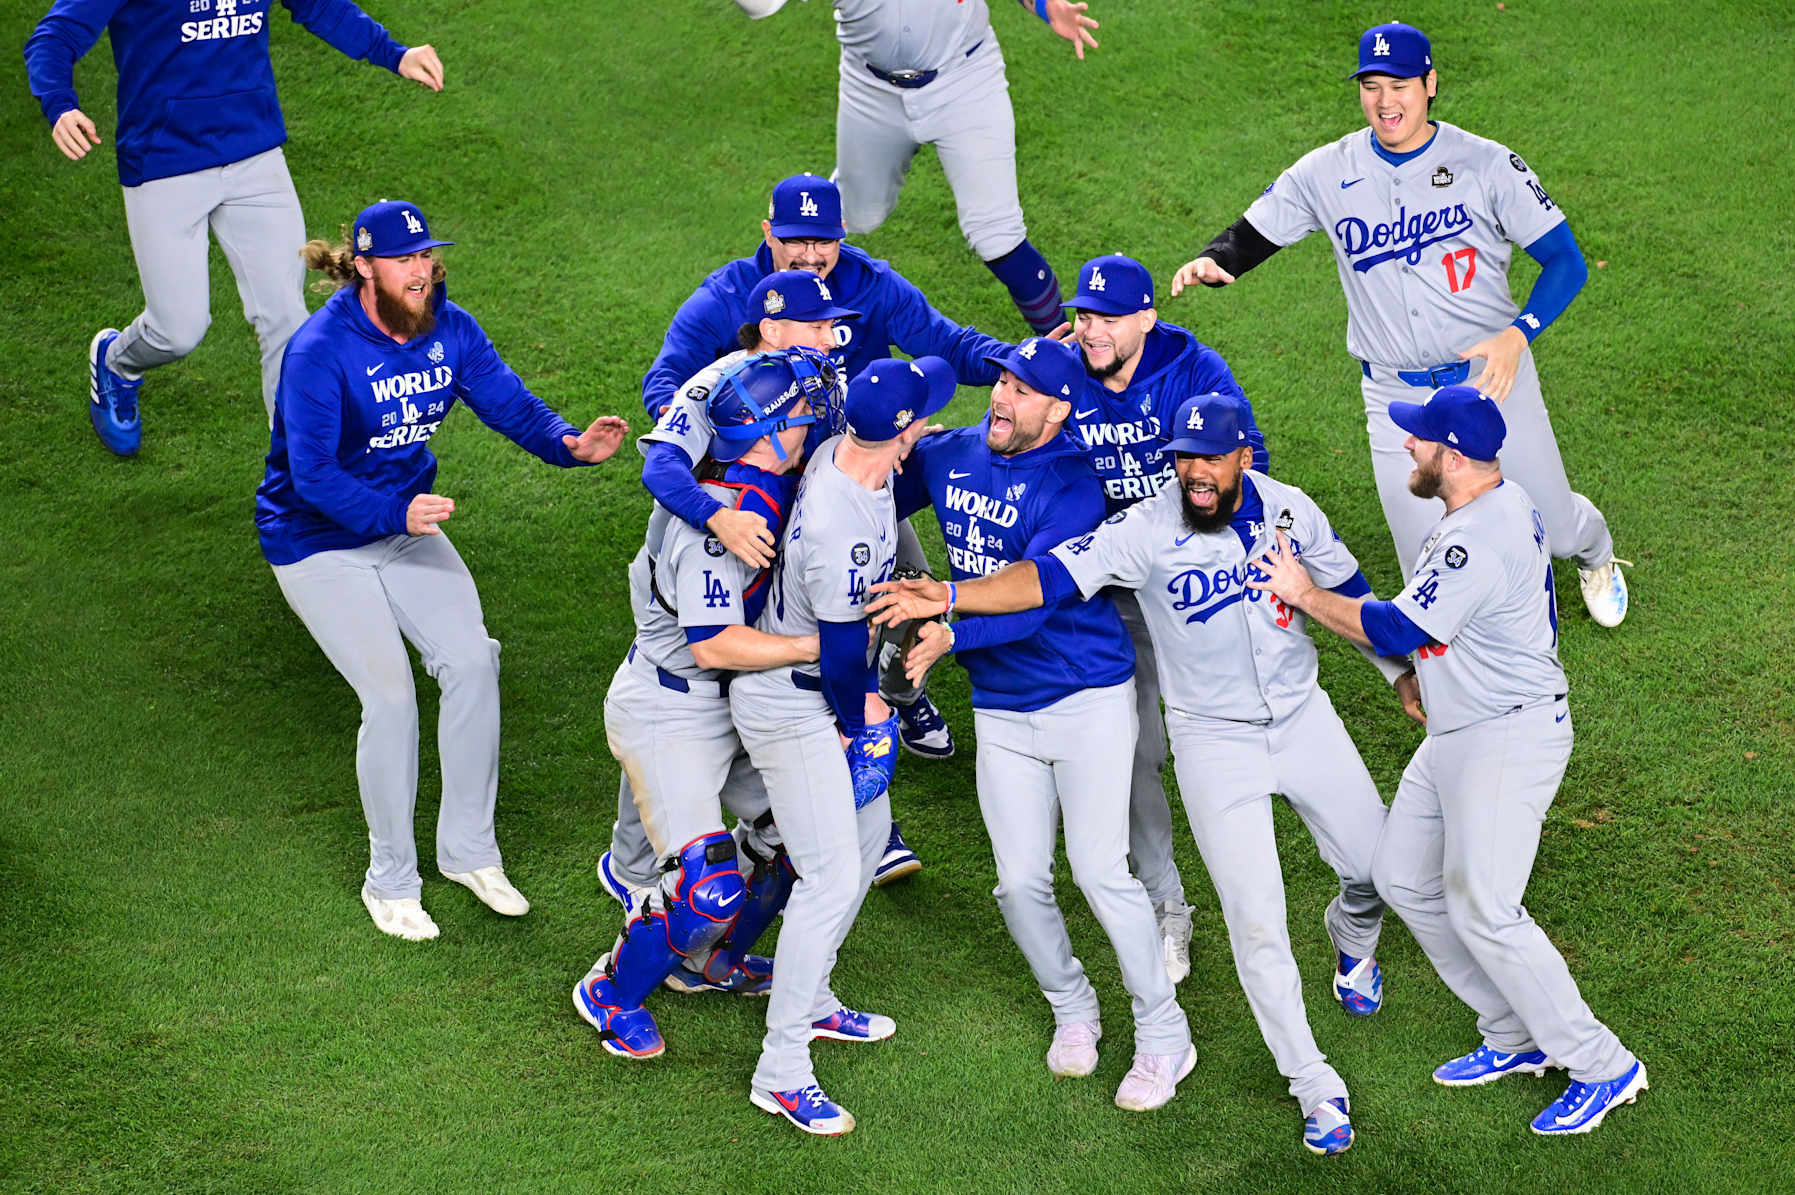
point(1344, 184)
point(1182, 540)
point(1561, 717)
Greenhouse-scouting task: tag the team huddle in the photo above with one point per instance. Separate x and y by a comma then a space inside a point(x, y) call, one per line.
point(1126, 579)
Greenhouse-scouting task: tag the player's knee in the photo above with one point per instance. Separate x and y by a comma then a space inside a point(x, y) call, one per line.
point(473, 662)
point(389, 707)
point(1021, 887)
point(176, 333)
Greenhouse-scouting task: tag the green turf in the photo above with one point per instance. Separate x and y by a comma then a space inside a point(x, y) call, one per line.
point(192, 997)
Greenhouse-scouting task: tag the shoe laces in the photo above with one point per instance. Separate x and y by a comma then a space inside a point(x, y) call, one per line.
point(922, 715)
point(124, 397)
point(1575, 1093)
point(812, 1098)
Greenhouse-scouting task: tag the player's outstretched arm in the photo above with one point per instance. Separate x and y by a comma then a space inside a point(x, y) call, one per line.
point(744, 649)
point(1067, 19)
point(422, 66)
point(1204, 271)
point(1287, 579)
point(1011, 588)
point(599, 441)
point(1235, 250)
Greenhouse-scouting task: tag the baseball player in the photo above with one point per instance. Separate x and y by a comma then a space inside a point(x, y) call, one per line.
point(1421, 215)
point(1463, 830)
point(667, 721)
point(796, 724)
point(351, 525)
point(1140, 371)
point(1246, 716)
point(933, 74)
point(1053, 704)
point(199, 137)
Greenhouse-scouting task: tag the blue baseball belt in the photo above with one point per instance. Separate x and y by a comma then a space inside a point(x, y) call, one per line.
point(1439, 375)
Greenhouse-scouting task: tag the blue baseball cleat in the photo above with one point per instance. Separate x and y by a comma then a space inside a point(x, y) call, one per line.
point(1583, 1105)
point(1328, 1130)
point(1358, 985)
point(1485, 1065)
point(897, 862)
point(752, 976)
point(844, 1024)
point(112, 400)
point(922, 730)
point(626, 1032)
point(806, 1107)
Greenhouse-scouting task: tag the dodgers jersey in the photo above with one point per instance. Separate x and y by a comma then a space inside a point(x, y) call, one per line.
point(1483, 589)
point(998, 509)
point(195, 87)
point(353, 418)
point(1223, 650)
point(910, 35)
point(1125, 433)
point(683, 578)
point(1423, 248)
point(841, 539)
point(892, 313)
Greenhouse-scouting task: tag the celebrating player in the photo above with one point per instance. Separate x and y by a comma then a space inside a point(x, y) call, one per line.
point(1246, 715)
point(831, 808)
point(1141, 370)
point(667, 722)
point(1053, 703)
point(1421, 215)
point(1463, 830)
point(199, 137)
point(350, 524)
point(933, 74)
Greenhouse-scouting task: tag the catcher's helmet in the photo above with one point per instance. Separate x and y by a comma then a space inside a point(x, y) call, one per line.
point(755, 398)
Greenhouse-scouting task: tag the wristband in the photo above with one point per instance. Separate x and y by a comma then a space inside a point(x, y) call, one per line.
point(1041, 10)
point(953, 595)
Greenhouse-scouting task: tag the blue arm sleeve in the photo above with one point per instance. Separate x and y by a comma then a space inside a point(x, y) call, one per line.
point(1056, 580)
point(1355, 586)
point(700, 634)
point(701, 331)
point(67, 32)
point(667, 474)
point(1072, 510)
point(847, 676)
point(499, 397)
point(350, 30)
point(1562, 274)
point(1389, 629)
point(312, 400)
point(920, 330)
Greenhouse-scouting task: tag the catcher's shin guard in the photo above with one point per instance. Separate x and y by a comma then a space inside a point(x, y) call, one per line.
point(769, 887)
point(704, 901)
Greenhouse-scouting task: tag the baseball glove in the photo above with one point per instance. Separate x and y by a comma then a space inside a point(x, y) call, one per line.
point(872, 760)
point(895, 641)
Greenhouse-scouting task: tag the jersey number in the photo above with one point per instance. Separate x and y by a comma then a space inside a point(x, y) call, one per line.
point(1430, 651)
point(1465, 258)
point(716, 594)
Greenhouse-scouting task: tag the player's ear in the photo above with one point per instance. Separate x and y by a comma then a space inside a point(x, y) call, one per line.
point(1245, 456)
point(1432, 84)
point(1060, 411)
point(766, 230)
point(1149, 318)
point(363, 267)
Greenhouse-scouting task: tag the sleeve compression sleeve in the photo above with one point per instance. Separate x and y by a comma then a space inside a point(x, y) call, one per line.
point(1238, 249)
point(1562, 274)
point(847, 676)
point(1389, 629)
point(667, 475)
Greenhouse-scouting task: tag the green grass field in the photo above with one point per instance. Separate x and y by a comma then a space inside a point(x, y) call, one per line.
point(192, 997)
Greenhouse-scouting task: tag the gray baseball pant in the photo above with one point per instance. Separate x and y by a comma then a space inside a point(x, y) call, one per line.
point(1456, 854)
point(1149, 809)
point(1068, 757)
point(253, 211)
point(362, 605)
point(1227, 772)
point(1575, 529)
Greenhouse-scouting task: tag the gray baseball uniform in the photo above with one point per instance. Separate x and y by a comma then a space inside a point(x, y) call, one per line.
point(1247, 718)
point(841, 538)
point(1423, 249)
point(1463, 829)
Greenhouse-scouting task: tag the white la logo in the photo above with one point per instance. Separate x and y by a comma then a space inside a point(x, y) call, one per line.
point(1097, 282)
point(824, 291)
point(1380, 48)
point(411, 223)
point(227, 8)
point(806, 205)
point(1196, 420)
point(1028, 350)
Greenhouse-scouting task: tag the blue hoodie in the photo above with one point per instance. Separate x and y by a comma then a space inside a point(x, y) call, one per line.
point(998, 509)
point(195, 88)
point(892, 313)
point(354, 416)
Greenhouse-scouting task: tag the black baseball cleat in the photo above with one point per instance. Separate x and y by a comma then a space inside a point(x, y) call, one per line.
point(923, 730)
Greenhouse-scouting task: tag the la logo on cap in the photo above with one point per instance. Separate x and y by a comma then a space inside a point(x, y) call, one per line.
point(1097, 280)
point(411, 222)
point(1027, 350)
point(1380, 48)
point(806, 205)
point(824, 291)
point(1196, 420)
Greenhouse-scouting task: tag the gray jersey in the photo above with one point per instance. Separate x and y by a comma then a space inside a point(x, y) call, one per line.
point(840, 540)
point(1423, 248)
point(1223, 650)
point(683, 577)
point(1483, 589)
point(910, 35)
point(686, 421)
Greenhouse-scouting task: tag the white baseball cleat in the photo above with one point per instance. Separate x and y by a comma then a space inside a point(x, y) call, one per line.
point(493, 889)
point(1153, 1079)
point(1073, 1053)
point(1605, 592)
point(400, 918)
point(1174, 940)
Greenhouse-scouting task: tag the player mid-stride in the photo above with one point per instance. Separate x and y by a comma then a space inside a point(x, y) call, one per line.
point(1422, 217)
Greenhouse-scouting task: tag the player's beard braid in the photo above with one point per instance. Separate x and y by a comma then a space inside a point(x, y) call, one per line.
point(1225, 502)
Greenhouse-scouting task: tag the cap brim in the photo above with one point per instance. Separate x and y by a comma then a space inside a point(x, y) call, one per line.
point(1393, 72)
point(1101, 305)
point(820, 232)
point(831, 313)
point(1195, 446)
point(1411, 417)
point(417, 246)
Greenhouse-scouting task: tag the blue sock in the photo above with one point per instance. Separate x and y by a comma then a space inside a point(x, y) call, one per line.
point(1032, 286)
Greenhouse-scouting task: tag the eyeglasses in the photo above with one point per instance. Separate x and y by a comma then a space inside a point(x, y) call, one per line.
point(807, 242)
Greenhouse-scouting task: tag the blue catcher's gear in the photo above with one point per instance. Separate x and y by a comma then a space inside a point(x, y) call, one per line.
point(626, 1032)
point(756, 397)
point(730, 966)
point(872, 760)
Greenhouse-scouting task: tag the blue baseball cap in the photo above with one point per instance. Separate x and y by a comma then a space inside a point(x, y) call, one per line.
point(1052, 367)
point(1207, 425)
point(1113, 285)
point(1398, 50)
point(889, 395)
point(795, 295)
point(392, 228)
point(806, 205)
point(1460, 417)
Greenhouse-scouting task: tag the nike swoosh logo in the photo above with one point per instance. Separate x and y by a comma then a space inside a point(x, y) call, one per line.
point(1084, 414)
point(957, 476)
point(1501, 1059)
point(1561, 717)
point(1182, 540)
point(374, 369)
point(790, 1105)
point(1576, 1113)
point(1355, 182)
point(723, 904)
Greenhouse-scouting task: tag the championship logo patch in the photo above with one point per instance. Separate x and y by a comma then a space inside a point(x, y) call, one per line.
point(774, 303)
point(364, 240)
point(1515, 161)
point(862, 553)
point(436, 353)
point(1456, 556)
point(1286, 520)
point(714, 546)
point(1442, 177)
